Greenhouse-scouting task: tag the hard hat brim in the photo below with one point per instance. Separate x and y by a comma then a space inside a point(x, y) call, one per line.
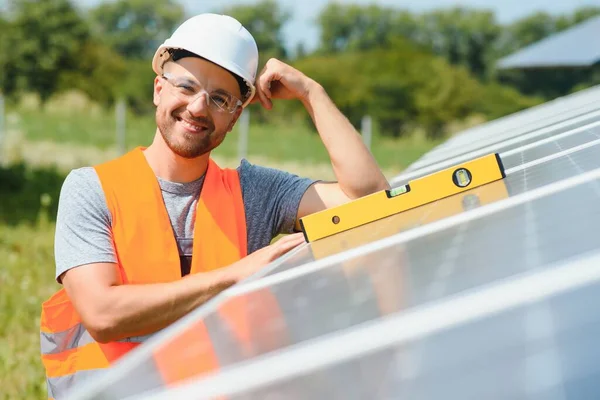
point(162, 55)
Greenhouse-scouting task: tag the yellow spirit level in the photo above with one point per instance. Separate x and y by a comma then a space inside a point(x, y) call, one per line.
point(412, 218)
point(453, 180)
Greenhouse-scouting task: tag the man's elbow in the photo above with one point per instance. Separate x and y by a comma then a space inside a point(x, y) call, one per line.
point(371, 188)
point(101, 328)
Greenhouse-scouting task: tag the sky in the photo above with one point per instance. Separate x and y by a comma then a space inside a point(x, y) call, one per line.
point(302, 28)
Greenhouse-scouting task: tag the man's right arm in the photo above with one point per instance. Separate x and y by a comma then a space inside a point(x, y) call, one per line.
point(110, 310)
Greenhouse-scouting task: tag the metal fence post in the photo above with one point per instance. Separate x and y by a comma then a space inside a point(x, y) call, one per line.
point(244, 128)
point(366, 130)
point(120, 116)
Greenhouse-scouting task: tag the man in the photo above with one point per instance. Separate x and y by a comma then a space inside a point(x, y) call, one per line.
point(146, 238)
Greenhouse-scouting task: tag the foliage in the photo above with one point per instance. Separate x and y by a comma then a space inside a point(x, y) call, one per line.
point(462, 36)
point(135, 28)
point(50, 35)
point(495, 100)
point(7, 74)
point(402, 87)
point(135, 85)
point(99, 73)
point(265, 21)
point(354, 27)
point(25, 192)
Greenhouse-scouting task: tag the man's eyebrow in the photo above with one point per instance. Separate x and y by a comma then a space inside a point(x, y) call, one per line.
point(191, 82)
point(182, 79)
point(223, 91)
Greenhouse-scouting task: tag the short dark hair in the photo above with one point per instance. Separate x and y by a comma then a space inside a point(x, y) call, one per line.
point(178, 54)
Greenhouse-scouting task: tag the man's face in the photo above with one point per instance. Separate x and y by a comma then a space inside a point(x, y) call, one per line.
point(190, 123)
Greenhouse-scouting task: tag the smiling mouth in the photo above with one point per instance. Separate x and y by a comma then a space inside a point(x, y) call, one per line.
point(193, 127)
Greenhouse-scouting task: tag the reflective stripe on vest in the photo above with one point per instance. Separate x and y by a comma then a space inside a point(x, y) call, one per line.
point(61, 384)
point(147, 253)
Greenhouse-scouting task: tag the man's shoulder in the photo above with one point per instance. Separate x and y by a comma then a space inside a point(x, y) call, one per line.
point(81, 176)
point(246, 169)
point(81, 182)
point(262, 180)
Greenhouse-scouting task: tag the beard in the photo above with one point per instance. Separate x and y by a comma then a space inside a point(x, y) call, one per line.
point(186, 144)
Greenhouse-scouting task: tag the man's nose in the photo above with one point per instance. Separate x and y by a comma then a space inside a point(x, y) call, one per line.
point(199, 105)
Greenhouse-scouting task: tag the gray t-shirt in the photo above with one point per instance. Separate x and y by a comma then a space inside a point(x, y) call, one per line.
point(83, 224)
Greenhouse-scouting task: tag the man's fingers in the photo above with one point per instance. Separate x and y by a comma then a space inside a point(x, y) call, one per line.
point(262, 97)
point(265, 83)
point(294, 237)
point(288, 243)
point(269, 77)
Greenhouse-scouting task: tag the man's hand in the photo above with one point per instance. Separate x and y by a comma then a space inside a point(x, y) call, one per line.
point(278, 80)
point(260, 258)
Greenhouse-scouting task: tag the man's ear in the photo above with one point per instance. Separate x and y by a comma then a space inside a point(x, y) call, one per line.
point(236, 115)
point(158, 88)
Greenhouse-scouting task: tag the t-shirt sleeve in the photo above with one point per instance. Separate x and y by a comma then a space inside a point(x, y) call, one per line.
point(83, 223)
point(271, 197)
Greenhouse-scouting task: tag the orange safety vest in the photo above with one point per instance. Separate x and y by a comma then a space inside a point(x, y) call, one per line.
point(147, 253)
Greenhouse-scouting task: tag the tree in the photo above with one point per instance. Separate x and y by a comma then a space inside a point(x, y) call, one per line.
point(578, 16)
point(265, 21)
point(461, 35)
point(355, 27)
point(99, 73)
point(400, 86)
point(135, 28)
point(50, 35)
point(7, 77)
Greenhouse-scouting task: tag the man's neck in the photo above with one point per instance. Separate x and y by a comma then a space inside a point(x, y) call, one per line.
point(171, 167)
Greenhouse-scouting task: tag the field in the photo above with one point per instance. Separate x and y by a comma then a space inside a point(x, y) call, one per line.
point(42, 146)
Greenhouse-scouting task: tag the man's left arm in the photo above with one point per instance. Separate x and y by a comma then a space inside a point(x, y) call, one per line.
point(354, 166)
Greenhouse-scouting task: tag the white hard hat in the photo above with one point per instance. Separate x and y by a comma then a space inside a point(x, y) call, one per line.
point(218, 38)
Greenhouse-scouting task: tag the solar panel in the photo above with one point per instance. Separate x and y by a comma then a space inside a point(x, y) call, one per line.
point(534, 138)
point(525, 337)
point(478, 295)
point(532, 118)
point(516, 127)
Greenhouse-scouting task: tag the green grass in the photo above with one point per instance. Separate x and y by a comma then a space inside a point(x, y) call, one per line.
point(26, 279)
